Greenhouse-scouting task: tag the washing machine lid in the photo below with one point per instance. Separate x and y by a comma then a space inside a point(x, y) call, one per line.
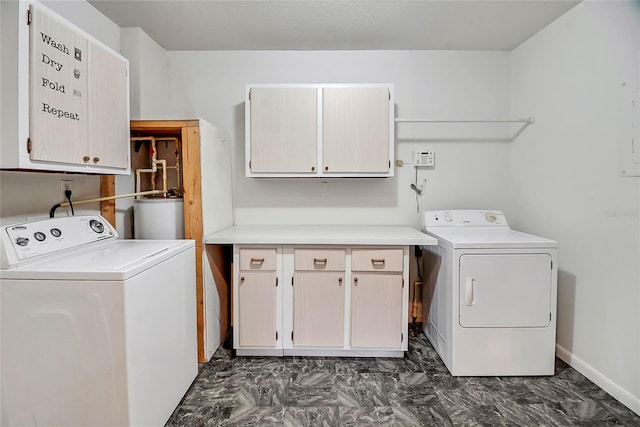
point(112, 260)
point(488, 238)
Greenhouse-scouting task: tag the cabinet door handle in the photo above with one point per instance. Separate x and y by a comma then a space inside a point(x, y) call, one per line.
point(313, 168)
point(242, 278)
point(326, 168)
point(339, 281)
point(86, 159)
point(377, 261)
point(257, 261)
point(96, 159)
point(355, 281)
point(320, 261)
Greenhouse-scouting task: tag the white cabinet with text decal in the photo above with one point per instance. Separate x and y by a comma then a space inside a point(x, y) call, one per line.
point(72, 99)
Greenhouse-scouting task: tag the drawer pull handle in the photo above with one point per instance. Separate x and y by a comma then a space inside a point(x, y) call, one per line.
point(320, 261)
point(257, 261)
point(242, 278)
point(377, 261)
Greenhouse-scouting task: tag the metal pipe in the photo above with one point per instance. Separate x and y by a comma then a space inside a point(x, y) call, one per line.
point(176, 141)
point(154, 168)
point(163, 162)
point(154, 163)
point(178, 185)
point(416, 300)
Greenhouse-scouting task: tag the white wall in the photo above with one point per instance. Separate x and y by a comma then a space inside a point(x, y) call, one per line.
point(149, 78)
point(567, 185)
point(28, 195)
point(471, 160)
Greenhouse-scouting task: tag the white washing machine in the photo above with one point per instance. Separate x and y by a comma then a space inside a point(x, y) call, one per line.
point(489, 298)
point(94, 330)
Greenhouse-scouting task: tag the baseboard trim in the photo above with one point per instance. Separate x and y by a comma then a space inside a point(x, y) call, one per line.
point(598, 378)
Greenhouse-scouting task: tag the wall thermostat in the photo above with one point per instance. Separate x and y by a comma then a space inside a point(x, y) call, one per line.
point(424, 159)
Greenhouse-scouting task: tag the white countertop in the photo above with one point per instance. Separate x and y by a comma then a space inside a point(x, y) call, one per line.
point(321, 235)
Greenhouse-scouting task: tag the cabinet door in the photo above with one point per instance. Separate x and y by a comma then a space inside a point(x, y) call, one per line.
point(355, 130)
point(257, 309)
point(283, 127)
point(108, 109)
point(318, 309)
point(376, 310)
point(58, 83)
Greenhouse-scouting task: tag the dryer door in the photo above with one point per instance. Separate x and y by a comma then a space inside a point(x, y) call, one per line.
point(505, 290)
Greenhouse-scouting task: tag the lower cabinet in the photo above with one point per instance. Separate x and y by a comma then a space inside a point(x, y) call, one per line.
point(320, 300)
point(257, 300)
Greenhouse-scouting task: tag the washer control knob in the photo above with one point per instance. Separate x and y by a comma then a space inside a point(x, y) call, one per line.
point(448, 218)
point(490, 216)
point(96, 226)
point(56, 232)
point(22, 241)
point(40, 236)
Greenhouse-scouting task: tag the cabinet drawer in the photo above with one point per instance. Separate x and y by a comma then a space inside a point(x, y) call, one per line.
point(319, 259)
point(260, 259)
point(377, 260)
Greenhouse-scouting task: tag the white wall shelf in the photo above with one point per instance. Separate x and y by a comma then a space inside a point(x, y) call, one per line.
point(526, 120)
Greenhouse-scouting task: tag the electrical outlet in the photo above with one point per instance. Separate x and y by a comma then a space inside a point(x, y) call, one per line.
point(65, 184)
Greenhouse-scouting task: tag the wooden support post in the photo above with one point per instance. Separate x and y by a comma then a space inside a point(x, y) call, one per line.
point(108, 207)
point(193, 218)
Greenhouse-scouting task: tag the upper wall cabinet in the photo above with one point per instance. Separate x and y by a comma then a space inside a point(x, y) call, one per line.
point(72, 99)
point(319, 130)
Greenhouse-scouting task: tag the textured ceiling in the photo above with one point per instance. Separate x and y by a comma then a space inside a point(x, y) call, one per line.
point(336, 25)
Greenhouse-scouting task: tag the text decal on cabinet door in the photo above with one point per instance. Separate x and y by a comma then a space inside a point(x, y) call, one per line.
point(52, 55)
point(59, 113)
point(56, 83)
point(58, 86)
point(60, 46)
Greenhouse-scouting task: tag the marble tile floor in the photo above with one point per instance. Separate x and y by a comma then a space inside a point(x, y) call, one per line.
point(416, 390)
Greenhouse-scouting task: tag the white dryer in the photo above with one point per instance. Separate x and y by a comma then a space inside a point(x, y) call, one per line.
point(94, 330)
point(489, 298)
